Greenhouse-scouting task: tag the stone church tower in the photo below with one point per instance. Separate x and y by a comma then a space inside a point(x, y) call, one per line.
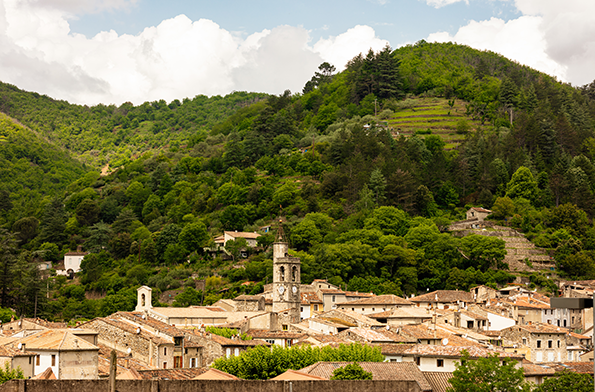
point(286, 279)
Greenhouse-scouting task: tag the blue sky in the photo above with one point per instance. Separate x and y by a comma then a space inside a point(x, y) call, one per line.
point(112, 51)
point(398, 22)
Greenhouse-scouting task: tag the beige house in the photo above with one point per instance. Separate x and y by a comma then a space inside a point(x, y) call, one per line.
point(546, 342)
point(477, 213)
point(443, 299)
point(438, 358)
point(69, 356)
point(375, 304)
point(403, 316)
point(18, 359)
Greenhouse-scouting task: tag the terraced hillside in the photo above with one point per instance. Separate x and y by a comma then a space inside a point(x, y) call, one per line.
point(435, 116)
point(521, 254)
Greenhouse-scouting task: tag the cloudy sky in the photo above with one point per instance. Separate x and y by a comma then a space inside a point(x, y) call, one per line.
point(112, 51)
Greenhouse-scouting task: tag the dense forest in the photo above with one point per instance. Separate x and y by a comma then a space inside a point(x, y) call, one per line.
point(363, 205)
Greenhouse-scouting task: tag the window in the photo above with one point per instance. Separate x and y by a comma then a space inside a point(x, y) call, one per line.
point(293, 273)
point(53, 360)
point(333, 299)
point(30, 360)
point(165, 365)
point(164, 350)
point(228, 352)
point(525, 341)
point(192, 362)
point(539, 344)
point(285, 327)
point(301, 308)
point(282, 270)
point(316, 308)
point(440, 362)
point(236, 352)
point(550, 344)
point(558, 343)
point(417, 361)
point(37, 360)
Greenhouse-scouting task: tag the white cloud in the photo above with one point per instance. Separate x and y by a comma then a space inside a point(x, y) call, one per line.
point(519, 39)
point(443, 3)
point(568, 28)
point(176, 59)
point(552, 36)
point(342, 48)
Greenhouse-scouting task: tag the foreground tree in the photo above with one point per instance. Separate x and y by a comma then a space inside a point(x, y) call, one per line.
point(262, 363)
point(352, 371)
point(567, 382)
point(491, 374)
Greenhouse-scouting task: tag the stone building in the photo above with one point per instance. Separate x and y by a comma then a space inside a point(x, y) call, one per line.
point(370, 305)
point(286, 280)
point(477, 213)
point(69, 356)
point(547, 343)
point(18, 359)
point(148, 340)
point(443, 299)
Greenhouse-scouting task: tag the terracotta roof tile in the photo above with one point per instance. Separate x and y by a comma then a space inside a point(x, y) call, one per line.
point(405, 371)
point(266, 334)
point(444, 296)
point(172, 374)
point(438, 380)
point(388, 299)
point(60, 340)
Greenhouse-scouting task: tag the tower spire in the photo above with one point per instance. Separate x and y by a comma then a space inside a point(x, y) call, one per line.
point(280, 233)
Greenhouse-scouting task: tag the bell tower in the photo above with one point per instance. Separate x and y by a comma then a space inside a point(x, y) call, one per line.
point(286, 278)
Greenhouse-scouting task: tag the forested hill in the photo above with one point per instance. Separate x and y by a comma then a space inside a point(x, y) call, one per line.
point(363, 205)
point(30, 168)
point(102, 134)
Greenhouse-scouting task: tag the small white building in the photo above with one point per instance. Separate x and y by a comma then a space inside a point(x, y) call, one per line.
point(72, 261)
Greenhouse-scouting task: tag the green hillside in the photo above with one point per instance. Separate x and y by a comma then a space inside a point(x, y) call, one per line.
point(30, 169)
point(433, 116)
point(363, 206)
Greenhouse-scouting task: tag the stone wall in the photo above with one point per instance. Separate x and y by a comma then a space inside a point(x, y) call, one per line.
point(209, 386)
point(142, 348)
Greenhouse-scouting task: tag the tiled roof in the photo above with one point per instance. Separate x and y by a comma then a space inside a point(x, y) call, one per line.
point(337, 313)
point(10, 352)
point(75, 254)
point(192, 312)
point(323, 339)
point(295, 375)
point(398, 371)
point(130, 328)
point(60, 340)
point(310, 298)
point(388, 299)
point(241, 234)
point(137, 318)
point(245, 297)
point(47, 374)
point(41, 322)
point(368, 335)
point(436, 351)
point(226, 341)
point(172, 374)
point(532, 369)
point(578, 367)
point(358, 294)
point(444, 296)
point(266, 334)
point(438, 380)
point(421, 331)
point(332, 291)
point(215, 374)
point(541, 328)
point(402, 313)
